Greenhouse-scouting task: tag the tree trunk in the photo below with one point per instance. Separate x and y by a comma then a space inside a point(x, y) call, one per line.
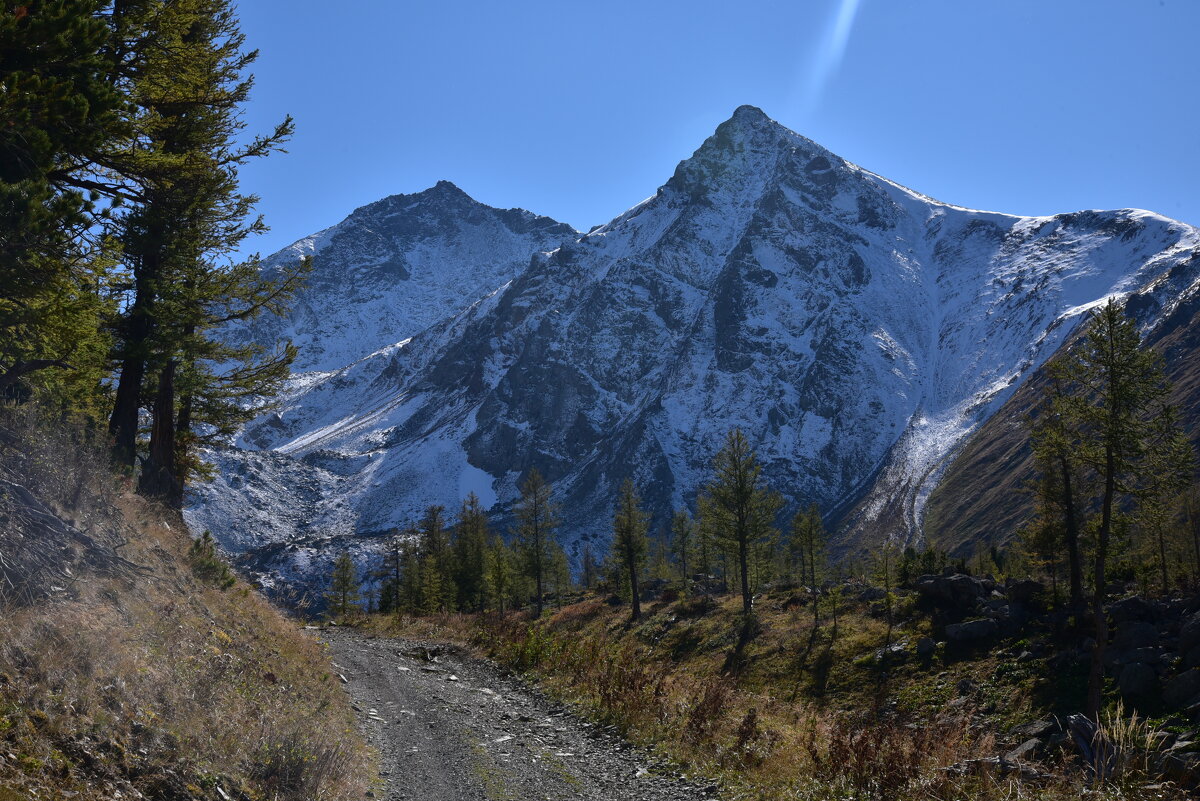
point(123, 424)
point(1096, 672)
point(633, 587)
point(1162, 556)
point(159, 479)
point(138, 326)
point(1074, 560)
point(743, 564)
point(537, 569)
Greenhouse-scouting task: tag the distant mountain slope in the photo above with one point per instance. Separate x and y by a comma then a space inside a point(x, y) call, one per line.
point(857, 331)
point(396, 266)
point(981, 499)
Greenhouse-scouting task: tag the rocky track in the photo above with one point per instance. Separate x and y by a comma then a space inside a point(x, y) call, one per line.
point(453, 728)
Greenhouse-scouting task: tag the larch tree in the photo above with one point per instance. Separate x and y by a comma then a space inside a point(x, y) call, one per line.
point(1057, 490)
point(589, 566)
point(629, 539)
point(344, 594)
point(470, 555)
point(806, 544)
point(1121, 429)
point(501, 574)
point(537, 520)
point(438, 592)
point(683, 530)
point(739, 508)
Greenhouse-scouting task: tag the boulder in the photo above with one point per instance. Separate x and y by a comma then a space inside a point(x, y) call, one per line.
point(1034, 729)
point(972, 631)
point(1133, 608)
point(957, 591)
point(1147, 656)
point(1183, 688)
point(649, 590)
point(871, 594)
point(1137, 681)
point(1026, 751)
point(926, 647)
point(1183, 768)
point(1135, 634)
point(1025, 591)
point(1189, 634)
point(1192, 657)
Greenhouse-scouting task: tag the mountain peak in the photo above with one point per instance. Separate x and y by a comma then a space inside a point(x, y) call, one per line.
point(753, 115)
point(445, 189)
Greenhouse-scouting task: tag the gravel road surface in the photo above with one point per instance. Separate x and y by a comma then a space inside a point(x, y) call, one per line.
point(453, 728)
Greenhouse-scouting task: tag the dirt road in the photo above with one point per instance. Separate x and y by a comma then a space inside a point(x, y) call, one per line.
point(452, 728)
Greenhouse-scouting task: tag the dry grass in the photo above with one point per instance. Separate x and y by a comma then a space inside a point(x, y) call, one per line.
point(802, 715)
point(150, 679)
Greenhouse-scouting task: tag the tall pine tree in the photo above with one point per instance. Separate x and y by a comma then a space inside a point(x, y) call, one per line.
point(186, 74)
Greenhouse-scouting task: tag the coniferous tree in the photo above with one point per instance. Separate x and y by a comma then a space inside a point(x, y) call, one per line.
point(883, 572)
point(412, 598)
point(343, 595)
point(629, 539)
point(207, 564)
point(1191, 520)
point(660, 565)
point(1122, 430)
point(558, 574)
point(501, 573)
point(589, 567)
point(739, 509)
point(704, 541)
point(437, 582)
point(537, 520)
point(682, 536)
point(470, 555)
point(806, 543)
point(1058, 487)
point(60, 113)
point(390, 575)
point(186, 216)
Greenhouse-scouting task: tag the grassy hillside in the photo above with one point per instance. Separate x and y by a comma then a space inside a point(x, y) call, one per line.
point(793, 710)
point(132, 664)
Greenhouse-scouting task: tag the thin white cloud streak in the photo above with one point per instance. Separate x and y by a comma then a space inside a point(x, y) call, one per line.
point(830, 52)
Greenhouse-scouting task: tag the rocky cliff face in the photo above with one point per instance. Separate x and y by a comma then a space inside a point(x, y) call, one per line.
point(856, 330)
point(395, 267)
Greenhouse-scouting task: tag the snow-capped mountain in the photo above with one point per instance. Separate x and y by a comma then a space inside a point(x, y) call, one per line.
point(395, 267)
point(856, 330)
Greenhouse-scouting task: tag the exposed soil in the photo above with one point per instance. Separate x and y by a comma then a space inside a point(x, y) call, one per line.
point(450, 727)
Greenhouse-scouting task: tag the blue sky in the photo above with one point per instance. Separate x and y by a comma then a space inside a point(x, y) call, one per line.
point(580, 110)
